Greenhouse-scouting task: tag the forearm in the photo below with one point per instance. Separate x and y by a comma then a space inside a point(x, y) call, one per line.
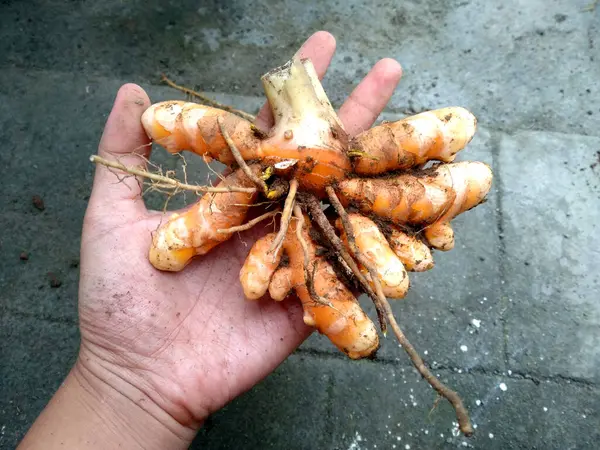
point(89, 413)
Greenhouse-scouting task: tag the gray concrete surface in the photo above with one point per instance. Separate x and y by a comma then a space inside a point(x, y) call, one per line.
point(525, 264)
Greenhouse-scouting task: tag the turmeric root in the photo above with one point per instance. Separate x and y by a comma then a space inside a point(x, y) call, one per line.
point(432, 135)
point(434, 195)
point(413, 253)
point(195, 232)
point(344, 321)
point(374, 246)
point(256, 273)
point(308, 155)
point(178, 125)
point(440, 236)
point(281, 283)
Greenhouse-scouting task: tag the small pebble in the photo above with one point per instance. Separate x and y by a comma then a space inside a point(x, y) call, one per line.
point(54, 280)
point(24, 256)
point(463, 348)
point(503, 387)
point(491, 435)
point(38, 202)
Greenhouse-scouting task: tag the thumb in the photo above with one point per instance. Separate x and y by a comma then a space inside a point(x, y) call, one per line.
point(123, 140)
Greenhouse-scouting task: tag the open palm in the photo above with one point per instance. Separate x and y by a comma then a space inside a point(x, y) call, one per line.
point(189, 340)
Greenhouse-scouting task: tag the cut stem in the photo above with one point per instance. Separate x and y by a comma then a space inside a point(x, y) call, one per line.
point(285, 218)
point(167, 182)
point(248, 224)
point(294, 90)
point(207, 100)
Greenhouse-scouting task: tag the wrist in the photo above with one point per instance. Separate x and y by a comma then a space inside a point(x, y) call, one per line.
point(129, 411)
point(94, 409)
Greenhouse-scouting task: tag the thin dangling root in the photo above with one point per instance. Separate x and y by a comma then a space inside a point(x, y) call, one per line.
point(436, 402)
point(285, 218)
point(207, 100)
point(248, 224)
point(461, 412)
point(240, 161)
point(167, 182)
point(320, 219)
point(464, 422)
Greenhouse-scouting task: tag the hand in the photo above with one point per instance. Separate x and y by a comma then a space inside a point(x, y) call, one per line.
point(182, 345)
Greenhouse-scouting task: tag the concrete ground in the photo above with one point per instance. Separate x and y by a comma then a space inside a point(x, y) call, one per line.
point(525, 264)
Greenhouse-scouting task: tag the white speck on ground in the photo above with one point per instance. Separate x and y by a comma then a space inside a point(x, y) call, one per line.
point(354, 444)
point(491, 435)
point(502, 387)
point(545, 409)
point(407, 446)
point(476, 323)
point(464, 348)
point(478, 402)
point(510, 372)
point(455, 430)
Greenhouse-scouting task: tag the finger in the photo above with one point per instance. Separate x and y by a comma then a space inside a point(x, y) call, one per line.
point(319, 48)
point(371, 95)
point(123, 140)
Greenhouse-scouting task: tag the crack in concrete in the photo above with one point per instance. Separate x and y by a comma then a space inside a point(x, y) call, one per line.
point(478, 370)
point(495, 150)
point(320, 354)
